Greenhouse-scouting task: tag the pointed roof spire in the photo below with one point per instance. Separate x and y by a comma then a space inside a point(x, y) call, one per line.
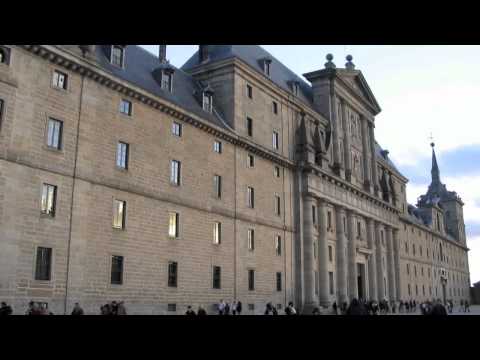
point(435, 169)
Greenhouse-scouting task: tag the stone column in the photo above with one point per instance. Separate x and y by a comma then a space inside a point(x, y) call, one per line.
point(366, 154)
point(390, 264)
point(323, 290)
point(396, 258)
point(346, 143)
point(341, 255)
point(374, 179)
point(372, 261)
point(308, 257)
point(378, 244)
point(352, 265)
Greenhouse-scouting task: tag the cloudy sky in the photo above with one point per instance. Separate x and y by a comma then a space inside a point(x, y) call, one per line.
point(422, 90)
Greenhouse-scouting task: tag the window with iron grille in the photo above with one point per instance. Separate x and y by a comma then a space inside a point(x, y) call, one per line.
point(172, 274)
point(49, 199)
point(117, 55)
point(122, 155)
point(217, 233)
point(54, 133)
point(117, 270)
point(279, 281)
point(175, 168)
point(59, 80)
point(177, 129)
point(217, 272)
point(43, 264)
point(173, 224)
point(251, 280)
point(119, 214)
point(126, 107)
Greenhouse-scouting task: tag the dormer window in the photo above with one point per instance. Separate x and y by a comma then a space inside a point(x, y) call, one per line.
point(4, 55)
point(266, 66)
point(295, 87)
point(207, 101)
point(117, 55)
point(167, 77)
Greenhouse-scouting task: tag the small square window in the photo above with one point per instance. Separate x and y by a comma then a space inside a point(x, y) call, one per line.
point(43, 264)
point(275, 108)
point(59, 80)
point(54, 133)
point(249, 92)
point(177, 129)
point(217, 147)
point(172, 307)
point(49, 199)
point(126, 107)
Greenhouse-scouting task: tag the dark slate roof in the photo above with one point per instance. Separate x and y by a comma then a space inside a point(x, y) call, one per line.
point(379, 153)
point(139, 65)
point(253, 55)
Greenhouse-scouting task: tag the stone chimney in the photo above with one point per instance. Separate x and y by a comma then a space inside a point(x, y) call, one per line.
point(162, 54)
point(202, 53)
point(87, 50)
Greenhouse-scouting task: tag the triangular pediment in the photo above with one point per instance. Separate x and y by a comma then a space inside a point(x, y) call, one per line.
point(358, 85)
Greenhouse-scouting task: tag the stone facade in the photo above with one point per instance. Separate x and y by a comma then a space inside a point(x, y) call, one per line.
point(343, 221)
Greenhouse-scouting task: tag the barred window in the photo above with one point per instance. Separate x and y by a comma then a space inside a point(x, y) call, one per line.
point(49, 198)
point(54, 133)
point(43, 264)
point(172, 274)
point(117, 270)
point(279, 281)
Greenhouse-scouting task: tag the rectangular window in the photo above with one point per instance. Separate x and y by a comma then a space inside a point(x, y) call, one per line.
point(249, 126)
point(275, 140)
point(330, 254)
point(172, 274)
point(314, 214)
point(116, 277)
point(207, 102)
point(54, 133)
point(119, 214)
point(217, 272)
point(315, 275)
point(250, 161)
point(251, 197)
point(276, 171)
point(416, 289)
point(409, 290)
point(166, 81)
point(251, 239)
point(43, 264)
point(359, 229)
point(59, 80)
point(217, 233)
point(330, 282)
point(408, 269)
point(249, 92)
point(251, 280)
point(217, 147)
point(329, 220)
point(217, 185)
point(277, 205)
point(2, 103)
point(251, 307)
point(177, 129)
point(278, 245)
point(122, 155)
point(279, 281)
point(173, 224)
point(275, 108)
point(175, 169)
point(172, 307)
point(126, 107)
point(49, 199)
point(117, 55)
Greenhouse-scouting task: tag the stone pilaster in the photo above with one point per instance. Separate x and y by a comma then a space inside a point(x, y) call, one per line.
point(323, 290)
point(390, 264)
point(374, 179)
point(341, 255)
point(335, 120)
point(372, 261)
point(396, 258)
point(308, 257)
point(346, 142)
point(366, 155)
point(352, 265)
point(378, 243)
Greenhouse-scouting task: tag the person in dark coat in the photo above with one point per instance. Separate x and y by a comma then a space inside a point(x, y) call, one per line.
point(5, 309)
point(438, 309)
point(335, 309)
point(201, 311)
point(77, 310)
point(227, 309)
point(239, 307)
point(356, 308)
point(190, 312)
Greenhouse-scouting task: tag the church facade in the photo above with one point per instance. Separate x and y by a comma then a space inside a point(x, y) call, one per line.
point(125, 178)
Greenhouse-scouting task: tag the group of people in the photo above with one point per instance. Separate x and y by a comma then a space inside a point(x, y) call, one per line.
point(113, 308)
point(5, 309)
point(224, 308)
point(408, 306)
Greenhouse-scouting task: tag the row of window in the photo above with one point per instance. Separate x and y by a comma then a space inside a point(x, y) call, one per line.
point(453, 291)
point(250, 96)
point(43, 269)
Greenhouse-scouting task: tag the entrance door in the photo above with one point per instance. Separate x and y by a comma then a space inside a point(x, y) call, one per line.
point(361, 280)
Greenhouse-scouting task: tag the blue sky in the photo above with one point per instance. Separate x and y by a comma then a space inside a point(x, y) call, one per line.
point(422, 90)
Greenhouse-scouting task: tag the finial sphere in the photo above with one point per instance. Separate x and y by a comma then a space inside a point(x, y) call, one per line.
point(349, 57)
point(432, 144)
point(329, 57)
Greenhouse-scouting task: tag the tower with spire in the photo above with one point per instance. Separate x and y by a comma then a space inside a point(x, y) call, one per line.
point(443, 209)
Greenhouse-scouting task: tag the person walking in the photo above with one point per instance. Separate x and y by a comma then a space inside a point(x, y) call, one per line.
point(221, 307)
point(239, 307)
point(335, 309)
point(461, 306)
point(467, 306)
point(201, 311)
point(121, 310)
point(190, 311)
point(5, 309)
point(227, 309)
point(77, 310)
point(234, 307)
point(268, 309)
point(290, 309)
point(438, 309)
